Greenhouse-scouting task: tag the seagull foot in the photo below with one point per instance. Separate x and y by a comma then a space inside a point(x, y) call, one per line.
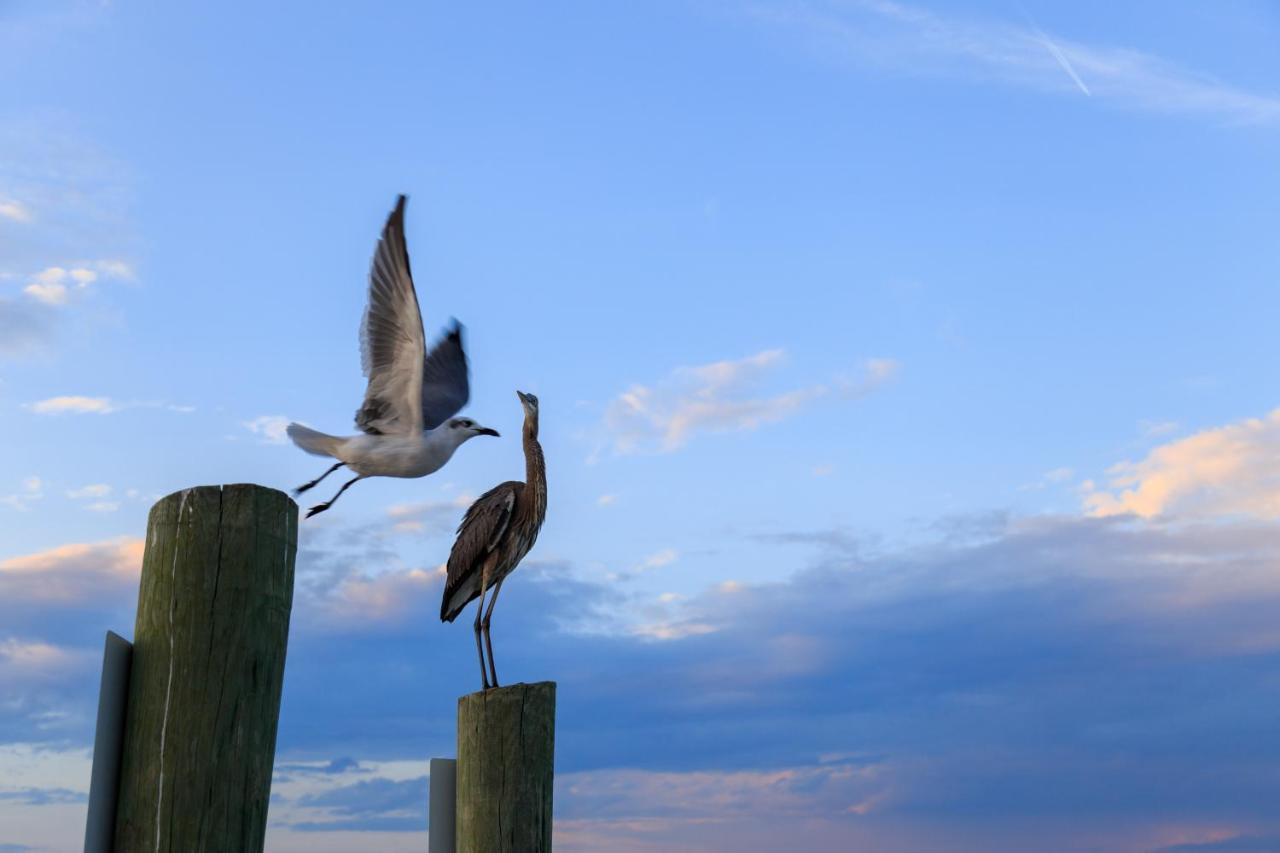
point(317, 509)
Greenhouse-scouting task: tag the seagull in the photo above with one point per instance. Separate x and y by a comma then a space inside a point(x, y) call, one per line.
point(495, 534)
point(407, 418)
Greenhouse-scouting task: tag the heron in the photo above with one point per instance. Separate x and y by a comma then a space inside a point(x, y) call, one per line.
point(408, 415)
point(495, 534)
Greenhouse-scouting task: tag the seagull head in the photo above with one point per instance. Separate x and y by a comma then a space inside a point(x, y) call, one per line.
point(465, 428)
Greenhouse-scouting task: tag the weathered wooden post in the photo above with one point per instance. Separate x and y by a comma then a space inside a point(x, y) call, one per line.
point(208, 666)
point(506, 756)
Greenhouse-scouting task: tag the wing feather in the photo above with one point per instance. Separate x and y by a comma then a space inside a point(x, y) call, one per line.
point(479, 534)
point(392, 344)
point(445, 387)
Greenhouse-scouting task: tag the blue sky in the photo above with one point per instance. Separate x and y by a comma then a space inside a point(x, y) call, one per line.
point(906, 375)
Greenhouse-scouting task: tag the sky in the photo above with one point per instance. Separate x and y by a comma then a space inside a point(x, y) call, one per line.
point(907, 390)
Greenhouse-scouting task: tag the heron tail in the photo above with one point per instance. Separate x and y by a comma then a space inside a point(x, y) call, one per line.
point(314, 442)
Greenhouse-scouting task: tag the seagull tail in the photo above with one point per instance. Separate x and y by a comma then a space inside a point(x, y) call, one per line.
point(315, 443)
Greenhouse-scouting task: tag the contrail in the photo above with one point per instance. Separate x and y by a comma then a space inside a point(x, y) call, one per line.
point(1056, 53)
point(1062, 60)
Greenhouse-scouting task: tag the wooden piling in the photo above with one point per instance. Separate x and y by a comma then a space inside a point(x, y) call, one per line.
point(506, 753)
point(208, 666)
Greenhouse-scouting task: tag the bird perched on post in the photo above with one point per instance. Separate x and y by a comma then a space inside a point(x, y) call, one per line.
point(495, 534)
point(409, 404)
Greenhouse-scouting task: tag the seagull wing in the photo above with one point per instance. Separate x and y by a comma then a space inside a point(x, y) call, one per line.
point(445, 388)
point(480, 532)
point(392, 344)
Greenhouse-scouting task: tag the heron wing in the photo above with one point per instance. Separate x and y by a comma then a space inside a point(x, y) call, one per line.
point(392, 344)
point(445, 388)
point(479, 534)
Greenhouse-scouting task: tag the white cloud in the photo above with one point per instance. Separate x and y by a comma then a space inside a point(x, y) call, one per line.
point(914, 40)
point(709, 397)
point(81, 405)
point(269, 428)
point(102, 506)
point(15, 211)
point(1228, 470)
point(51, 285)
point(95, 490)
point(114, 268)
point(665, 557)
point(32, 490)
point(74, 405)
point(49, 294)
point(718, 397)
point(606, 500)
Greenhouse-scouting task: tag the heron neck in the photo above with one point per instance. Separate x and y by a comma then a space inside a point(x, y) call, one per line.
point(535, 470)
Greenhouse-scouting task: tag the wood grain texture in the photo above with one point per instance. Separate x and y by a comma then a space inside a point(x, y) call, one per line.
point(506, 757)
point(208, 667)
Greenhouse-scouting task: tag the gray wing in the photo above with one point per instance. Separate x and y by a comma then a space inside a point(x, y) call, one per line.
point(445, 388)
point(392, 345)
point(480, 532)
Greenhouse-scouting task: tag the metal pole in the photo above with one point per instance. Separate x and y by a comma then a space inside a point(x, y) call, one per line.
point(444, 798)
point(108, 740)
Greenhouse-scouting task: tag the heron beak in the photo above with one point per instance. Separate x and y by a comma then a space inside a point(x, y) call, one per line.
point(524, 398)
point(486, 431)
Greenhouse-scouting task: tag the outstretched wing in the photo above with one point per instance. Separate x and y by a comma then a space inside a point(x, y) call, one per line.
point(445, 388)
point(480, 532)
point(392, 344)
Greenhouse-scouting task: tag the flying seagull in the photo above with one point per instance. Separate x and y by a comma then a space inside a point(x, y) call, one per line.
point(409, 405)
point(495, 534)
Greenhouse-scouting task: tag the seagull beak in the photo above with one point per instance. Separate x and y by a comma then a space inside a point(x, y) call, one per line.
point(486, 431)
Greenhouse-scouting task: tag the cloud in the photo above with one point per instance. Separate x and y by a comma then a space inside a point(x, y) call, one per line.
point(73, 573)
point(95, 490)
point(657, 560)
point(960, 690)
point(32, 490)
point(378, 804)
point(82, 405)
point(429, 517)
point(14, 211)
point(50, 294)
point(53, 285)
point(1227, 470)
point(269, 428)
point(717, 398)
point(914, 40)
point(33, 656)
point(43, 796)
point(72, 404)
point(606, 500)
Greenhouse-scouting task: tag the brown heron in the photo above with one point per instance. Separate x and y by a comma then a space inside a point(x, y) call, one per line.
point(409, 405)
point(495, 534)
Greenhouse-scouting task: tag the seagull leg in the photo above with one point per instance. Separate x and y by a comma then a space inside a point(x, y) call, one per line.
point(317, 480)
point(488, 643)
point(484, 678)
point(319, 508)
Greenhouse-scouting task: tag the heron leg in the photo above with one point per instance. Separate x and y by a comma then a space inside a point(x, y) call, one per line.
point(317, 480)
point(484, 678)
point(319, 508)
point(488, 642)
